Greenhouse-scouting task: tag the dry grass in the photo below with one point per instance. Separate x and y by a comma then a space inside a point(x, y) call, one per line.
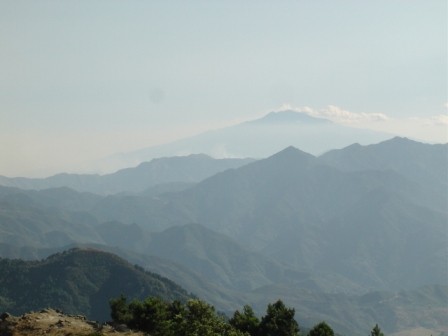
point(49, 322)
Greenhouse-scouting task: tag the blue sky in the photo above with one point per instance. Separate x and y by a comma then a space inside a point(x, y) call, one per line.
point(81, 80)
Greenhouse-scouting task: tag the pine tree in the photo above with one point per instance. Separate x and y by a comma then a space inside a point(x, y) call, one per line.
point(279, 321)
point(246, 321)
point(321, 329)
point(376, 331)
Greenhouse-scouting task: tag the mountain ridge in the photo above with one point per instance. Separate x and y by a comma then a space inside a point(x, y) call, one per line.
point(260, 138)
point(186, 169)
point(340, 230)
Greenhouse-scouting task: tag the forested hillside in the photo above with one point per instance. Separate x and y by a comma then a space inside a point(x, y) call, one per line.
point(78, 281)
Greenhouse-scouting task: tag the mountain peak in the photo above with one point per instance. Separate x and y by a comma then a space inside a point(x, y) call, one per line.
point(399, 141)
point(292, 152)
point(289, 117)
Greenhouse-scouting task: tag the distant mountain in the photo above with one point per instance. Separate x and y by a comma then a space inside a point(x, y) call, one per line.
point(296, 208)
point(222, 261)
point(423, 163)
point(289, 118)
point(308, 213)
point(214, 257)
point(323, 232)
point(260, 138)
point(45, 219)
point(79, 281)
point(162, 171)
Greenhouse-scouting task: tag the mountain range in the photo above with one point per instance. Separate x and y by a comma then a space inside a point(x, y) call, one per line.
point(174, 173)
point(325, 232)
point(258, 138)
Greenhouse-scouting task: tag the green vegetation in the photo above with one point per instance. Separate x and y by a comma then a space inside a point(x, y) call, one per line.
point(321, 329)
point(82, 281)
point(159, 317)
point(376, 331)
point(278, 321)
point(78, 281)
point(246, 321)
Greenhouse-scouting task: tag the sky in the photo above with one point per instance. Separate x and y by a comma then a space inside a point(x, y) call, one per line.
point(81, 80)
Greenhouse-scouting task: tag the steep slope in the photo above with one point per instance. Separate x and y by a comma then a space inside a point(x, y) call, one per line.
point(186, 169)
point(298, 209)
point(79, 281)
point(286, 189)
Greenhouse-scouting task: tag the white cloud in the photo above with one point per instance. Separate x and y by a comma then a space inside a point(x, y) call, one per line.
point(432, 128)
point(338, 115)
point(438, 120)
point(441, 119)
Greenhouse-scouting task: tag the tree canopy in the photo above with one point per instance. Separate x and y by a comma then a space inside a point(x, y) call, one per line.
point(246, 321)
point(321, 329)
point(279, 321)
point(197, 318)
point(161, 318)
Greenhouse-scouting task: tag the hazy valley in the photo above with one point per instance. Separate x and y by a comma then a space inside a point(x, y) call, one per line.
point(355, 236)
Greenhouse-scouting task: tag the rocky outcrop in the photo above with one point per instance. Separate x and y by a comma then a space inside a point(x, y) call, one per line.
point(50, 322)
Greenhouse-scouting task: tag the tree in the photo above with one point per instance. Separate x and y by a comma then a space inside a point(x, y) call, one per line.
point(119, 310)
point(246, 321)
point(279, 321)
point(321, 329)
point(159, 318)
point(150, 315)
point(376, 331)
point(202, 320)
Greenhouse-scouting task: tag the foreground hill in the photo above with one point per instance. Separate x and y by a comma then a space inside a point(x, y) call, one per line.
point(179, 169)
point(50, 322)
point(79, 281)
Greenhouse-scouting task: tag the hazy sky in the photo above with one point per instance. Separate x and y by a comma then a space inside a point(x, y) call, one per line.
point(81, 80)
